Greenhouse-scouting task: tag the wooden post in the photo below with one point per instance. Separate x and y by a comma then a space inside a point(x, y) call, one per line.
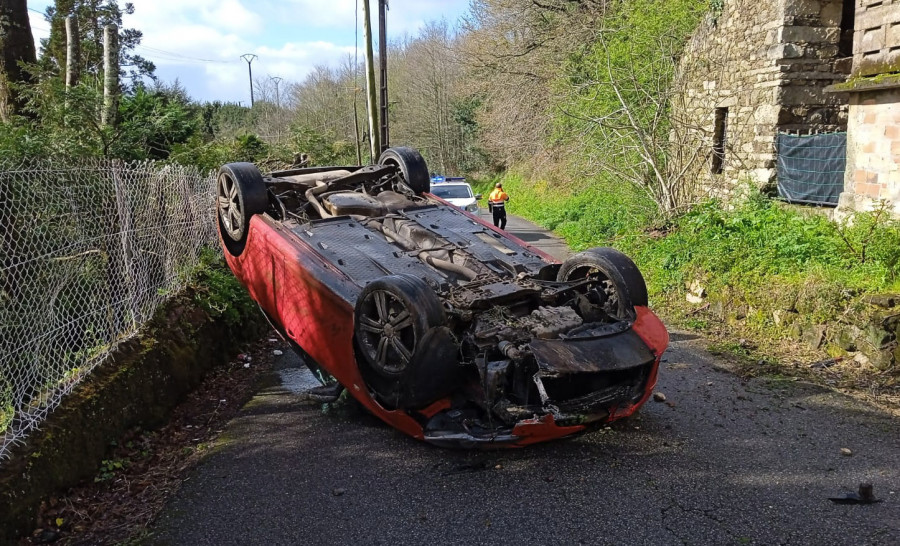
point(382, 61)
point(371, 91)
point(124, 270)
point(73, 51)
point(110, 75)
point(356, 129)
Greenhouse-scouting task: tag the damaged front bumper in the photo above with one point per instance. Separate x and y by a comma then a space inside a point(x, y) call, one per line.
point(580, 382)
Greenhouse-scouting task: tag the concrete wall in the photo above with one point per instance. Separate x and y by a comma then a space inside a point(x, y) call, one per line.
point(769, 63)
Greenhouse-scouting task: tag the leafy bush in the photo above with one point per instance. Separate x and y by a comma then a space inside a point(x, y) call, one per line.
point(760, 253)
point(219, 291)
point(583, 213)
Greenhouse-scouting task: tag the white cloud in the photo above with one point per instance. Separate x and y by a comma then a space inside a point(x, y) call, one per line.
point(200, 41)
point(231, 15)
point(225, 15)
point(331, 14)
point(404, 16)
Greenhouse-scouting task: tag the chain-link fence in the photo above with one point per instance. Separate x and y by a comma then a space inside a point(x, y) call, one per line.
point(87, 254)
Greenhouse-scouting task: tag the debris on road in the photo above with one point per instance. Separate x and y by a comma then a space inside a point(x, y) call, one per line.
point(846, 451)
point(827, 363)
point(865, 495)
point(276, 352)
point(659, 397)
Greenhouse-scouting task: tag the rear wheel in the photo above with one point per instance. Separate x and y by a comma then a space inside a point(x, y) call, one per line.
point(241, 193)
point(405, 355)
point(616, 275)
point(412, 166)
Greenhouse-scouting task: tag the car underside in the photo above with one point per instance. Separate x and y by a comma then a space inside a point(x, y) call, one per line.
point(470, 332)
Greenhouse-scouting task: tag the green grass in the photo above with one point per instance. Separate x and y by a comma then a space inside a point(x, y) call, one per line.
point(758, 256)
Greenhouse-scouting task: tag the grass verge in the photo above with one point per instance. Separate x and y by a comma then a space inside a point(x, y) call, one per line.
point(767, 273)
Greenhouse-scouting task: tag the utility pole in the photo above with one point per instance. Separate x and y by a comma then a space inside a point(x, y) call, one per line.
point(382, 60)
point(110, 75)
point(73, 51)
point(250, 57)
point(277, 81)
point(371, 92)
point(356, 131)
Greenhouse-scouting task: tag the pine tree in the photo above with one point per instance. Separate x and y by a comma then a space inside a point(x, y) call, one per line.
point(16, 49)
point(92, 16)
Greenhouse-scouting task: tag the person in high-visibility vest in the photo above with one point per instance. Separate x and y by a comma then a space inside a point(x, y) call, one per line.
point(497, 203)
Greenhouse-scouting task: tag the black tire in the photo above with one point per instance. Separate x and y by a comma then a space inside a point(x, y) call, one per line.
point(240, 193)
point(405, 355)
point(412, 167)
point(608, 264)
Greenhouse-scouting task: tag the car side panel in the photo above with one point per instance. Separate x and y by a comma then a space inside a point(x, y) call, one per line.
point(283, 275)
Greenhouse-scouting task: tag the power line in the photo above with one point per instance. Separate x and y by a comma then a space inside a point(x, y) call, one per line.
point(177, 56)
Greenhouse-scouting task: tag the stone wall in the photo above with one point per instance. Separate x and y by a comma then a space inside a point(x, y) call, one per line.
point(876, 44)
point(768, 63)
point(873, 140)
point(138, 385)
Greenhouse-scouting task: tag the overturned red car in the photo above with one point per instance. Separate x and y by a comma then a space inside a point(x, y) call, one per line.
point(438, 323)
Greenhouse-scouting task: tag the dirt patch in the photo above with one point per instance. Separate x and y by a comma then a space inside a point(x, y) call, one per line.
point(756, 356)
point(144, 468)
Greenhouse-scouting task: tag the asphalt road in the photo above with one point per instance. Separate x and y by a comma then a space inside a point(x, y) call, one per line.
point(722, 461)
point(533, 235)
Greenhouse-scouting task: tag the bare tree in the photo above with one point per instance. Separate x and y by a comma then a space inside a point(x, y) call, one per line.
point(645, 129)
point(426, 78)
point(514, 50)
point(641, 112)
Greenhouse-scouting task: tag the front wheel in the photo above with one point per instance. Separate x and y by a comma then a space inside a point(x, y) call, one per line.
point(615, 274)
point(405, 354)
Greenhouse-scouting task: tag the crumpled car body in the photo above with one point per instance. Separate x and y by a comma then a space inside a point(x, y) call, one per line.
point(441, 325)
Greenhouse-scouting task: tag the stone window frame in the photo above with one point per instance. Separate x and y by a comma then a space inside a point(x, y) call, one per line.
point(720, 140)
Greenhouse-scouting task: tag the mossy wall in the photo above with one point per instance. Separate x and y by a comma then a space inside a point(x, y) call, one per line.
point(142, 381)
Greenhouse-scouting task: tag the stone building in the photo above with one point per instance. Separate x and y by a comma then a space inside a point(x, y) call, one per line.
point(873, 132)
point(755, 69)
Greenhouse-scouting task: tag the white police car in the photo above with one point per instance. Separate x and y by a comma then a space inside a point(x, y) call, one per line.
point(456, 191)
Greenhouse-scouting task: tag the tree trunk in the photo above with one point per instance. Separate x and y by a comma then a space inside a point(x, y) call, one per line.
point(16, 46)
point(110, 76)
point(73, 52)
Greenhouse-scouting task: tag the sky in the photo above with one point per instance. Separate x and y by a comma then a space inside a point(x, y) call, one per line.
point(200, 42)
